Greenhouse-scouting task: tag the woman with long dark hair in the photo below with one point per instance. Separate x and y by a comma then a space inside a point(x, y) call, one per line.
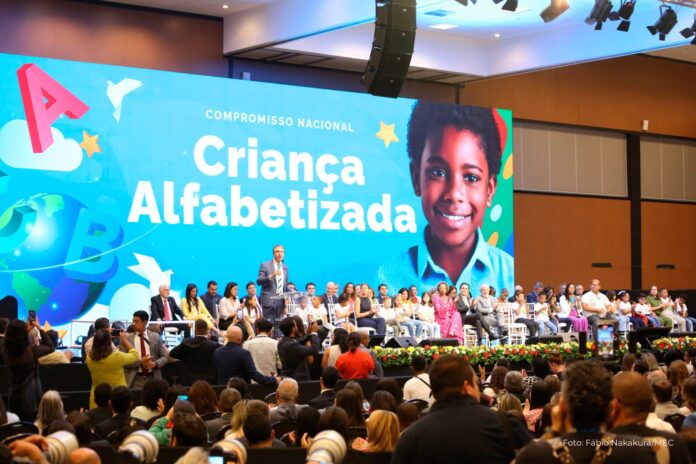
point(21, 358)
point(194, 308)
point(355, 363)
point(229, 305)
point(339, 345)
point(106, 364)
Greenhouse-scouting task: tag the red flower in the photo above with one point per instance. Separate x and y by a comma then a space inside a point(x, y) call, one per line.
point(435, 356)
point(567, 350)
point(523, 351)
point(486, 354)
point(546, 350)
point(394, 356)
point(384, 357)
point(427, 347)
point(514, 351)
point(466, 356)
point(662, 345)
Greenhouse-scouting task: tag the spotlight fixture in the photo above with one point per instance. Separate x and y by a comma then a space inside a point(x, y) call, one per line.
point(667, 21)
point(690, 32)
point(510, 5)
point(554, 10)
point(624, 14)
point(599, 13)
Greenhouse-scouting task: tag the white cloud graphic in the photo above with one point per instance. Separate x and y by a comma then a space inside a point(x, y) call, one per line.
point(15, 150)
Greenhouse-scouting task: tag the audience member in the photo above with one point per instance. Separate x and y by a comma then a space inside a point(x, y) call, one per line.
point(349, 401)
point(335, 418)
point(355, 363)
point(287, 408)
point(408, 414)
point(121, 402)
point(382, 433)
point(383, 400)
point(203, 398)
point(102, 410)
point(295, 355)
point(263, 348)
point(50, 409)
point(107, 365)
point(327, 383)
point(390, 385)
point(229, 397)
point(82, 427)
point(154, 392)
point(188, 430)
point(197, 355)
point(514, 385)
point(629, 410)
point(579, 420)
point(232, 360)
point(306, 427)
point(377, 371)
point(418, 387)
point(162, 428)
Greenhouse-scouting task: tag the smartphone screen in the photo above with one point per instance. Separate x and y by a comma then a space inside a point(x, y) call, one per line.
point(605, 340)
point(183, 398)
point(32, 315)
point(216, 460)
point(240, 313)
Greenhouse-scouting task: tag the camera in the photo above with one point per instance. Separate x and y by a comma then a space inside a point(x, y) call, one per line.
point(140, 446)
point(60, 445)
point(328, 447)
point(31, 315)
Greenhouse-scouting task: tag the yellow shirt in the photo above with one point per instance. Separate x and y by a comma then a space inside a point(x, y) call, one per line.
point(110, 370)
point(192, 314)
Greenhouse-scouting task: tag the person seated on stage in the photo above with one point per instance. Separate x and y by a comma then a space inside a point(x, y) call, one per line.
point(319, 312)
point(643, 311)
point(390, 316)
point(365, 315)
point(614, 313)
point(303, 310)
point(426, 315)
point(343, 312)
point(519, 308)
point(657, 306)
point(163, 307)
point(228, 306)
point(541, 316)
point(194, 308)
point(670, 312)
point(404, 317)
point(681, 310)
point(626, 311)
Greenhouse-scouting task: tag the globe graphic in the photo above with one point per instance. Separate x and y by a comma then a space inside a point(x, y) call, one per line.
point(34, 273)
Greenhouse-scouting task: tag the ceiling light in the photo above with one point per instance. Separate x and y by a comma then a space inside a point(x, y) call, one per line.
point(690, 31)
point(225, 6)
point(624, 14)
point(443, 26)
point(667, 21)
point(599, 13)
point(496, 35)
point(554, 10)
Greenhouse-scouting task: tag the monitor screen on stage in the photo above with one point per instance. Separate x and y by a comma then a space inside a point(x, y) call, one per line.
point(115, 180)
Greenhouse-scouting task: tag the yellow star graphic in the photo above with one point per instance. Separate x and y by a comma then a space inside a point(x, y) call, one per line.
point(89, 143)
point(386, 134)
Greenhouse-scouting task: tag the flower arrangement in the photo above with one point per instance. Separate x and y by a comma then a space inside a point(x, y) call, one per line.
point(394, 357)
point(681, 344)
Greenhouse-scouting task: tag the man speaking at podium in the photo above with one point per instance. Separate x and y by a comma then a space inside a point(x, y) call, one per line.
point(273, 279)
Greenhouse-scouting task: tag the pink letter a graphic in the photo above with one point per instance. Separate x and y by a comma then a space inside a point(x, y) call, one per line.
point(36, 85)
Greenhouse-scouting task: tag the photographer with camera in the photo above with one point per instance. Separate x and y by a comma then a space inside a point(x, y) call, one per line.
point(296, 354)
point(106, 364)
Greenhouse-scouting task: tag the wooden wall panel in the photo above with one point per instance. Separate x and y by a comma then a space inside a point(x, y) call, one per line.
point(112, 35)
point(557, 238)
point(668, 231)
point(613, 94)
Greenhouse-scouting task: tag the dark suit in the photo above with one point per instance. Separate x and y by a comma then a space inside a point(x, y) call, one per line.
point(157, 309)
point(293, 356)
point(214, 425)
point(197, 355)
point(116, 422)
point(324, 400)
point(99, 414)
point(232, 360)
point(272, 308)
point(327, 300)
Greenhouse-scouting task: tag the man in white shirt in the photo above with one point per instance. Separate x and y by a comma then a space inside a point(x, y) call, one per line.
point(263, 348)
point(596, 304)
point(418, 387)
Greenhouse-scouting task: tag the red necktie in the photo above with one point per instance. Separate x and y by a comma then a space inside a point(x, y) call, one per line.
point(167, 313)
point(143, 353)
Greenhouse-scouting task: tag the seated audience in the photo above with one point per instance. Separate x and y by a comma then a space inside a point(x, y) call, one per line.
point(351, 404)
point(418, 387)
point(327, 383)
point(203, 398)
point(232, 360)
point(106, 365)
point(229, 397)
point(162, 428)
point(197, 355)
point(339, 345)
point(50, 409)
point(121, 402)
point(689, 395)
point(390, 385)
point(6, 417)
point(188, 430)
point(538, 398)
point(102, 411)
point(579, 421)
point(382, 433)
point(442, 436)
point(335, 418)
point(263, 348)
point(154, 392)
point(258, 431)
point(306, 427)
point(287, 408)
point(629, 411)
point(82, 427)
point(514, 385)
point(408, 414)
point(383, 400)
point(365, 346)
point(355, 363)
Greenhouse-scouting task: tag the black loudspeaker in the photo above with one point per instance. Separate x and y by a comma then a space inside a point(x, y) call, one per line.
point(392, 47)
point(439, 342)
point(401, 342)
point(544, 339)
point(644, 336)
point(375, 340)
point(582, 342)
